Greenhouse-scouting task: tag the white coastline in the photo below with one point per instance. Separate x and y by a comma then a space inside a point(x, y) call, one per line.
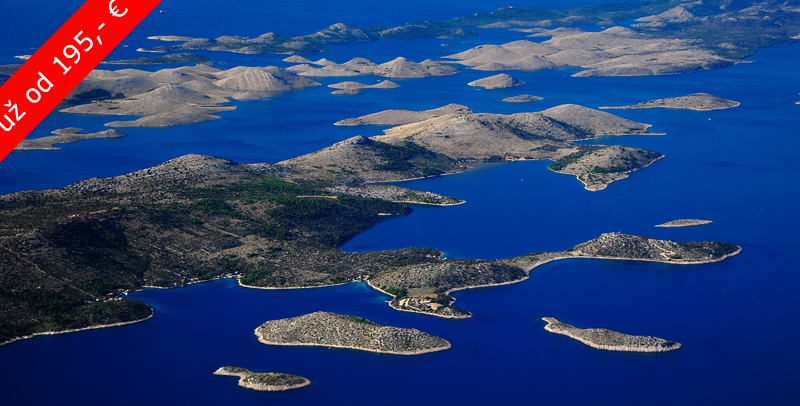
point(51, 333)
point(418, 352)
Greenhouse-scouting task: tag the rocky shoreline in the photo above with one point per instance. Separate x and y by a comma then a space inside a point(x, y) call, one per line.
point(75, 330)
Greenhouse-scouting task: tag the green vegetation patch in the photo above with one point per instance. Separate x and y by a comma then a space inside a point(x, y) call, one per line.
point(563, 162)
point(397, 157)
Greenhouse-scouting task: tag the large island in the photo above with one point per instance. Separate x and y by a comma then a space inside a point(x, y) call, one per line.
point(343, 331)
point(280, 225)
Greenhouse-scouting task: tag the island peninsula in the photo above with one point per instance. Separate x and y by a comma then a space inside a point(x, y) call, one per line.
point(280, 225)
point(610, 340)
point(264, 381)
point(343, 331)
point(426, 287)
point(198, 218)
point(65, 136)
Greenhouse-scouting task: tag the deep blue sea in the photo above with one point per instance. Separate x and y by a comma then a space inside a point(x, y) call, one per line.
point(738, 320)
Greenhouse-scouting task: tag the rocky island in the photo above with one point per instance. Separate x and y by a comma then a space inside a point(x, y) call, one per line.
point(316, 42)
point(596, 167)
point(525, 98)
point(386, 84)
point(343, 331)
point(65, 136)
point(616, 51)
point(696, 101)
point(401, 117)
point(684, 223)
point(347, 92)
point(397, 68)
point(264, 381)
point(496, 82)
point(609, 340)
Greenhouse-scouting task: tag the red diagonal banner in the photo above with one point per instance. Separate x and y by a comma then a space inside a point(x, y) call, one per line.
point(40, 84)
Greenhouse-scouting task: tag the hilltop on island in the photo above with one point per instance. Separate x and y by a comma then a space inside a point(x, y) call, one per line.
point(456, 132)
point(264, 381)
point(610, 340)
point(343, 331)
point(696, 101)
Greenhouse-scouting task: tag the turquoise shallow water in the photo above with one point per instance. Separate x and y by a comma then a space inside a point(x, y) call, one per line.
point(737, 319)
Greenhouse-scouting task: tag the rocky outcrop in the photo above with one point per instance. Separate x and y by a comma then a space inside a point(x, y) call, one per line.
point(610, 340)
point(343, 331)
point(264, 381)
point(696, 101)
